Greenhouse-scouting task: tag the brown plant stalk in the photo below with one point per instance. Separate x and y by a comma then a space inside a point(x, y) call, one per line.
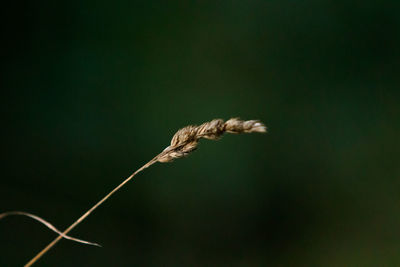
point(183, 142)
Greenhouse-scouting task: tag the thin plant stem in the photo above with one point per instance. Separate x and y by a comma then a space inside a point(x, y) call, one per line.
point(86, 214)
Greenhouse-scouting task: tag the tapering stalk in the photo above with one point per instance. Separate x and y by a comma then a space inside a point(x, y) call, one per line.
point(86, 214)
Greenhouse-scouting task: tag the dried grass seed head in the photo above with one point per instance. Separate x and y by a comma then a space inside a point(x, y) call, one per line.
point(186, 139)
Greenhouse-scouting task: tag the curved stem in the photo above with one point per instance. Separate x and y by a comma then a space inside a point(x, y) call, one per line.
point(47, 224)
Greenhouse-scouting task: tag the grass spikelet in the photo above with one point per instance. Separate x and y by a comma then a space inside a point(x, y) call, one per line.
point(186, 139)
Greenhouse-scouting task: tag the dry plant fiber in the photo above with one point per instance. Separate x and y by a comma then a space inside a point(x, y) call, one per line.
point(182, 144)
point(47, 224)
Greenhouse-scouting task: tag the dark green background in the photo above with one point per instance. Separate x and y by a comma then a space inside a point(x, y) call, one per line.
point(93, 89)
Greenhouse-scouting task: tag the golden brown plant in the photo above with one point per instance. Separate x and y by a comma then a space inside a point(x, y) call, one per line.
point(182, 143)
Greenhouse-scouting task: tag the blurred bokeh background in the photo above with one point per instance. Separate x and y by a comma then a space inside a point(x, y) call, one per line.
point(91, 90)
